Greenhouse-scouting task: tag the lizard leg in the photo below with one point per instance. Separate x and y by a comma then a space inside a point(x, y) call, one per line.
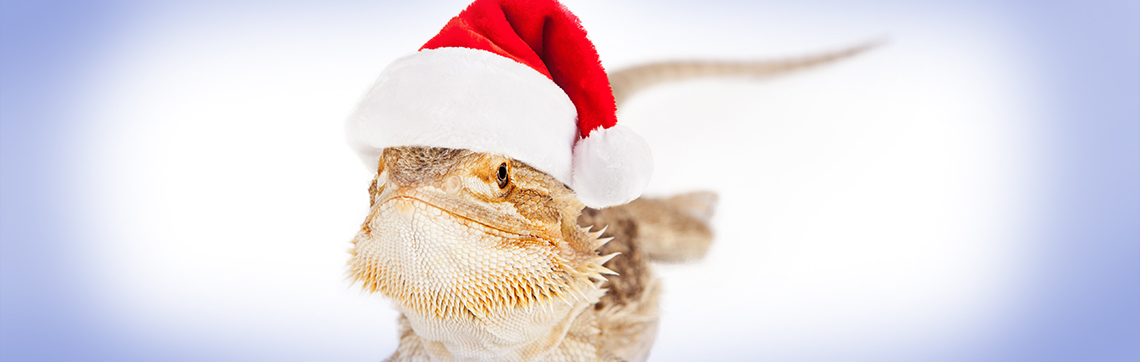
point(670, 229)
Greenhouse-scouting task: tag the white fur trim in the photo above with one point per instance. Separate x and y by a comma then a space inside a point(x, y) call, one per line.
point(611, 167)
point(467, 98)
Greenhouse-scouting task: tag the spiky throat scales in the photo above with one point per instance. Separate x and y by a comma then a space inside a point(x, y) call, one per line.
point(482, 253)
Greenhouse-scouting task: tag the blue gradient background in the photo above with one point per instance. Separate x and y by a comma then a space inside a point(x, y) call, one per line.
point(1085, 279)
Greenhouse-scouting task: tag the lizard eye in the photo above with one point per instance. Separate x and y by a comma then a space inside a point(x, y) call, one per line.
point(503, 176)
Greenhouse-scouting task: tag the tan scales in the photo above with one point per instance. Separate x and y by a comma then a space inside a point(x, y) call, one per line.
point(488, 259)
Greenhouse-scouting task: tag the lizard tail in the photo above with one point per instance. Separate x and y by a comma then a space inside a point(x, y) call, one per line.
point(626, 82)
point(677, 228)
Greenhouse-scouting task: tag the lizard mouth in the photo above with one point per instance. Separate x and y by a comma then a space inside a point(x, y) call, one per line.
point(499, 221)
point(406, 205)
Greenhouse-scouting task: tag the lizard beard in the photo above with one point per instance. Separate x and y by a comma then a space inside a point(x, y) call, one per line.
point(466, 285)
point(444, 265)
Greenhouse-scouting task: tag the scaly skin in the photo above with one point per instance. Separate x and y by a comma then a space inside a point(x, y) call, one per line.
point(488, 259)
point(485, 259)
point(628, 81)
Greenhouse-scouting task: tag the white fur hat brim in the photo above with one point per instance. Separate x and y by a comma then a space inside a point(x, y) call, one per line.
point(477, 100)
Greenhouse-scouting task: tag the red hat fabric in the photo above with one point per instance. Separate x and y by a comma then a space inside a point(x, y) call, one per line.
point(545, 36)
point(513, 77)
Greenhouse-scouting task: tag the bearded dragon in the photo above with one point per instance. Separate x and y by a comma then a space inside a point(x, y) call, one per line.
point(487, 258)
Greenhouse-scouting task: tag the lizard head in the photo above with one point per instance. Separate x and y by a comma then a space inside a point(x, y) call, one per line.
point(454, 233)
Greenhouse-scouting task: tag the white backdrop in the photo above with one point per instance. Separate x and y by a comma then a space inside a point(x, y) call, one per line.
point(875, 209)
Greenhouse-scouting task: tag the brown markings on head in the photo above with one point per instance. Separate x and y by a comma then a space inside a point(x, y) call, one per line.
point(540, 197)
point(531, 193)
point(418, 165)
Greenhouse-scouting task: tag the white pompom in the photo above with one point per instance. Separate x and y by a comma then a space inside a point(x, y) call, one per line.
point(611, 167)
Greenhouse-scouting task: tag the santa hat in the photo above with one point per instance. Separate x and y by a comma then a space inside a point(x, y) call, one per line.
point(512, 77)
